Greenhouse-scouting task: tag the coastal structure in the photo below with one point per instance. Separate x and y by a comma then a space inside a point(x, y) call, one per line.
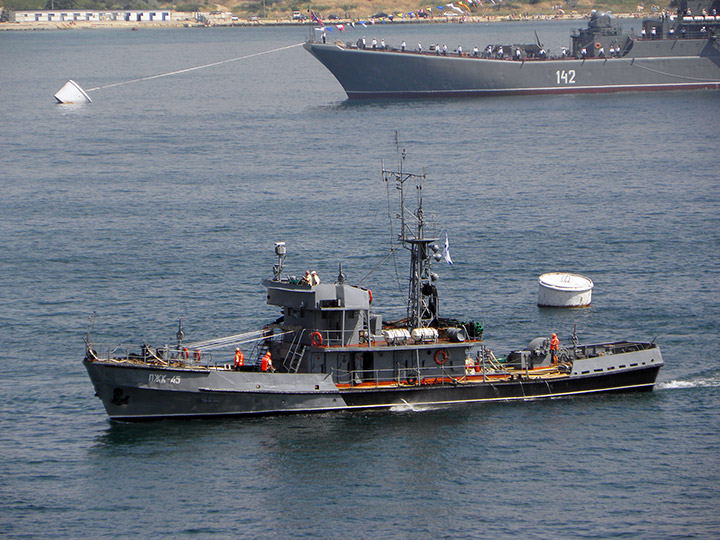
point(88, 15)
point(673, 52)
point(330, 349)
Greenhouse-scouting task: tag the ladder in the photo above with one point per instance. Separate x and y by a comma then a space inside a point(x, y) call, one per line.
point(295, 354)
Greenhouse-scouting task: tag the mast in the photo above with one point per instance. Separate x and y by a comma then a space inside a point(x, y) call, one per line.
point(422, 305)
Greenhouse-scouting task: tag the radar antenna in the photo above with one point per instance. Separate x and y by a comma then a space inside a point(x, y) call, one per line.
point(280, 251)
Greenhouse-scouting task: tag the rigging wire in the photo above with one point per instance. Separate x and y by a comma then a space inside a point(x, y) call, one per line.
point(186, 70)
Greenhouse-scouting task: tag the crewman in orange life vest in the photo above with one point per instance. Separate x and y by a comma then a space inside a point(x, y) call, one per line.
point(239, 358)
point(554, 347)
point(266, 362)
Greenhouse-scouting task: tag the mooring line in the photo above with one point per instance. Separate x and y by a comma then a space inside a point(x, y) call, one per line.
point(193, 68)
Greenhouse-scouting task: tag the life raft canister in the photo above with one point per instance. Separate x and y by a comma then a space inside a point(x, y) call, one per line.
point(441, 357)
point(316, 339)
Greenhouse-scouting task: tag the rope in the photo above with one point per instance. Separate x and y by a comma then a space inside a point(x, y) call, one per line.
point(230, 341)
point(186, 70)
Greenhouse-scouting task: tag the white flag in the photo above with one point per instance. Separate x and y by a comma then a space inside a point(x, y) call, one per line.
point(446, 250)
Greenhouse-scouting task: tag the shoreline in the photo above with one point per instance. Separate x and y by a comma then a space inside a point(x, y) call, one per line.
point(188, 23)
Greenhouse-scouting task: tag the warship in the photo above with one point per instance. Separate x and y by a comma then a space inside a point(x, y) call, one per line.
point(677, 51)
point(331, 350)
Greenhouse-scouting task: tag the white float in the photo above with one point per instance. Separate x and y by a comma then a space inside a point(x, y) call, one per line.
point(562, 289)
point(72, 93)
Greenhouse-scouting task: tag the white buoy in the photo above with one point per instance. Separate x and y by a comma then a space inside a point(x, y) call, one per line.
point(72, 93)
point(561, 289)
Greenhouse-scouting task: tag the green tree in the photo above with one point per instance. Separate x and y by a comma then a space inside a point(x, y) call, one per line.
point(60, 4)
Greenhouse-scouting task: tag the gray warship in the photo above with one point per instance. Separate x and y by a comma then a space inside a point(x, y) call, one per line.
point(677, 51)
point(331, 350)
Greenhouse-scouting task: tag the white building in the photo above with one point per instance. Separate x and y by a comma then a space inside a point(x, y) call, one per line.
point(69, 15)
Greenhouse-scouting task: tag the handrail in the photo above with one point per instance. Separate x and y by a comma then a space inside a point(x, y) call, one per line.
point(163, 355)
point(454, 373)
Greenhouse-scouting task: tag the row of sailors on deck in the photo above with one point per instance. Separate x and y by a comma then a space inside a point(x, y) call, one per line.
point(601, 52)
point(488, 52)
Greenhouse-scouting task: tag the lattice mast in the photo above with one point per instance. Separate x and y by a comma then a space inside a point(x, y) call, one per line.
point(422, 306)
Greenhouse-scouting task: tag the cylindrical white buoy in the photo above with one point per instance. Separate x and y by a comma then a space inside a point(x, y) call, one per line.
point(561, 289)
point(72, 93)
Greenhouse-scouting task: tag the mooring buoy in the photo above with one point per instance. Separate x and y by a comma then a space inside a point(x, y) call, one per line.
point(72, 93)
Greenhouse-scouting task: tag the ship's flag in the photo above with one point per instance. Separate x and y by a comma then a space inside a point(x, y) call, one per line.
point(315, 18)
point(341, 27)
point(463, 6)
point(453, 6)
point(446, 250)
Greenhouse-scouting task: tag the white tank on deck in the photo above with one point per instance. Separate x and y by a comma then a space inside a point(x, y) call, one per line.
point(425, 335)
point(562, 289)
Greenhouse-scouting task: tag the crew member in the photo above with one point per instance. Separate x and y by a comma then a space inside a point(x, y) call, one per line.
point(459, 50)
point(314, 278)
point(469, 366)
point(403, 45)
point(554, 347)
point(266, 362)
point(307, 279)
point(239, 358)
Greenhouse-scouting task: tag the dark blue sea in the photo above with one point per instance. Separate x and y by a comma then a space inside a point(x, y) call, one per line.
point(163, 199)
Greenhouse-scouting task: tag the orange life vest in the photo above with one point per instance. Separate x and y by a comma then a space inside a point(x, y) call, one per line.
point(266, 362)
point(239, 358)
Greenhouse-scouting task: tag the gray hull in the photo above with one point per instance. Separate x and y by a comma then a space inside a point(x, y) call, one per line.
point(136, 392)
point(662, 65)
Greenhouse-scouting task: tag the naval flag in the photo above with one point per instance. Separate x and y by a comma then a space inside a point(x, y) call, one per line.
point(446, 250)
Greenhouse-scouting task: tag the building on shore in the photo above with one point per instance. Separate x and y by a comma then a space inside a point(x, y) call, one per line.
point(87, 15)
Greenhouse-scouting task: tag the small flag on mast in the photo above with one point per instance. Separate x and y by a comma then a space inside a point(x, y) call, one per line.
point(446, 250)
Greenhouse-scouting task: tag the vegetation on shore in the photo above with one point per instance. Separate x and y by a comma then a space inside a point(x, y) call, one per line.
point(346, 9)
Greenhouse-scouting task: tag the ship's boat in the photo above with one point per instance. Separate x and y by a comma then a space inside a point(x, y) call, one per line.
point(331, 350)
point(673, 51)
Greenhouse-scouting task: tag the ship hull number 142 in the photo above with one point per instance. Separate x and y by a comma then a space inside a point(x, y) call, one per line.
point(565, 77)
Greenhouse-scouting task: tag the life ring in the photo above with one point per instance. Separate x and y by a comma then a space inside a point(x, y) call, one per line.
point(441, 357)
point(597, 45)
point(316, 339)
point(185, 353)
point(197, 356)
point(369, 296)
